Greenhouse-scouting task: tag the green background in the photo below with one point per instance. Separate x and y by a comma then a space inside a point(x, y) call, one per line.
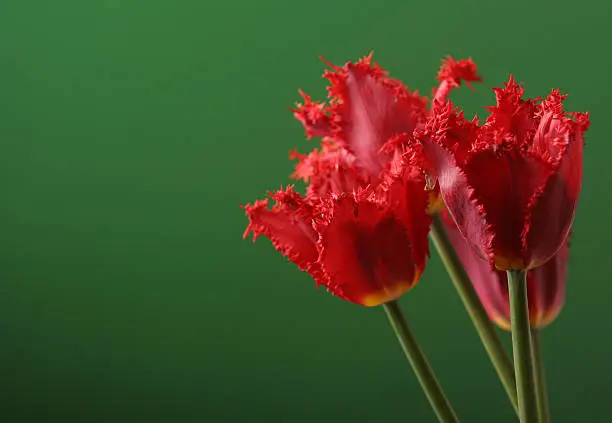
point(130, 131)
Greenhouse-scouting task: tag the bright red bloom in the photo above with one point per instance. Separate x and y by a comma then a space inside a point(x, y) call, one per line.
point(511, 184)
point(545, 284)
point(354, 244)
point(367, 110)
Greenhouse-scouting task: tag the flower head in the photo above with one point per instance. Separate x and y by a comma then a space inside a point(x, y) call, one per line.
point(546, 285)
point(511, 184)
point(353, 244)
point(367, 109)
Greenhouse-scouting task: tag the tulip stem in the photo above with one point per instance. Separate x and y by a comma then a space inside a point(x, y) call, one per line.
point(521, 345)
point(485, 328)
point(540, 377)
point(419, 364)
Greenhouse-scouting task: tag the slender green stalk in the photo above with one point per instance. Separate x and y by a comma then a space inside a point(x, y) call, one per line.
point(419, 364)
point(485, 328)
point(540, 376)
point(521, 345)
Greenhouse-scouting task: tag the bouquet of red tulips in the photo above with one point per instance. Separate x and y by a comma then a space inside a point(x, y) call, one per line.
point(497, 197)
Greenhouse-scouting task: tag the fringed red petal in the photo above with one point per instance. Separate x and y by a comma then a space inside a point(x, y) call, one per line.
point(365, 109)
point(289, 228)
point(558, 142)
point(316, 117)
point(448, 127)
point(460, 198)
point(456, 71)
point(552, 134)
point(373, 109)
point(511, 122)
point(452, 73)
point(330, 169)
point(550, 212)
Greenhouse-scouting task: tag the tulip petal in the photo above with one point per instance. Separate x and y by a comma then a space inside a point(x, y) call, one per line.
point(552, 208)
point(316, 117)
point(376, 112)
point(504, 184)
point(463, 206)
point(410, 202)
point(292, 236)
point(452, 73)
point(366, 251)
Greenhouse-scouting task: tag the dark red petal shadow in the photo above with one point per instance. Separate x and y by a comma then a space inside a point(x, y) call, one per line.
point(366, 252)
point(504, 184)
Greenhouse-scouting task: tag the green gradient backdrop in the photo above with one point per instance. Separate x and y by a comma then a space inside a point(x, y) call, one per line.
point(129, 133)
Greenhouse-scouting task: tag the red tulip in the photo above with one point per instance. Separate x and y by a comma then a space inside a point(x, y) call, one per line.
point(371, 115)
point(365, 110)
point(355, 245)
point(545, 284)
point(513, 183)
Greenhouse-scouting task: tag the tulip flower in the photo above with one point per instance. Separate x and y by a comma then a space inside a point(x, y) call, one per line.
point(513, 183)
point(353, 244)
point(371, 115)
point(511, 186)
point(366, 109)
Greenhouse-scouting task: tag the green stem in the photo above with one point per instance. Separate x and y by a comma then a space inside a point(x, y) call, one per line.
point(419, 364)
point(521, 343)
point(485, 328)
point(540, 377)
